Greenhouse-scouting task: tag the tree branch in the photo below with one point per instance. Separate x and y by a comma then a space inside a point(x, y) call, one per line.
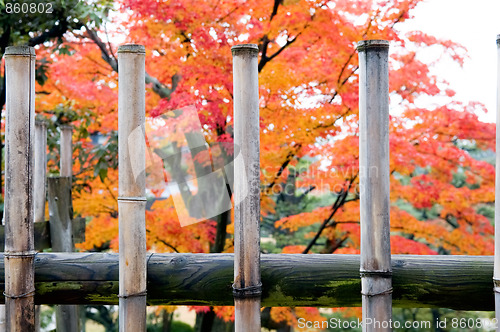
point(288, 159)
point(159, 88)
point(57, 31)
point(265, 59)
point(333, 245)
point(338, 203)
point(106, 55)
point(164, 242)
point(265, 40)
point(276, 5)
point(305, 193)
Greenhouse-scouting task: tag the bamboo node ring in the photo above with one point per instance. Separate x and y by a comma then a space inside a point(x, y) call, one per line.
point(17, 254)
point(388, 291)
point(20, 296)
point(247, 292)
point(143, 293)
point(381, 274)
point(132, 199)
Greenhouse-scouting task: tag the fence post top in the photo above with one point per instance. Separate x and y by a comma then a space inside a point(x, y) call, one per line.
point(20, 51)
point(363, 45)
point(251, 49)
point(132, 48)
point(40, 122)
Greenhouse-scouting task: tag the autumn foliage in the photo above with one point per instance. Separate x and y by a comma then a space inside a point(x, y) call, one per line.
point(308, 77)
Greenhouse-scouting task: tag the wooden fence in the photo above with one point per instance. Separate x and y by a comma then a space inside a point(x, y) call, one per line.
point(135, 278)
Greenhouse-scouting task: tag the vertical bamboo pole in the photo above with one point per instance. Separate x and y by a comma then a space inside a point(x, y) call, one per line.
point(496, 269)
point(61, 235)
point(39, 185)
point(375, 267)
point(19, 209)
point(61, 214)
point(247, 284)
point(3, 326)
point(66, 151)
point(40, 169)
point(131, 201)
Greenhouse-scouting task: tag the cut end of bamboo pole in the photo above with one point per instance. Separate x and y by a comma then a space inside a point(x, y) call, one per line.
point(132, 48)
point(251, 49)
point(373, 43)
point(40, 123)
point(20, 51)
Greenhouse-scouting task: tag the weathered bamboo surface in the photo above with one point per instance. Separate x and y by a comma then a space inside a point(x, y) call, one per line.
point(247, 283)
point(66, 151)
point(42, 234)
point(456, 282)
point(131, 188)
point(40, 174)
point(374, 183)
point(19, 209)
point(61, 213)
point(496, 274)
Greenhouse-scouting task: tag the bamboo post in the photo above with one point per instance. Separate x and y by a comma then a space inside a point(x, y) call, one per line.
point(19, 209)
point(496, 269)
point(39, 185)
point(66, 151)
point(67, 317)
point(40, 169)
point(3, 326)
point(131, 200)
point(61, 234)
point(247, 284)
point(375, 264)
point(60, 214)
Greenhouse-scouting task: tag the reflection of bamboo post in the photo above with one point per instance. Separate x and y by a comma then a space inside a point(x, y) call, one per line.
point(66, 151)
point(247, 284)
point(375, 267)
point(39, 182)
point(40, 170)
point(131, 187)
point(496, 272)
point(19, 210)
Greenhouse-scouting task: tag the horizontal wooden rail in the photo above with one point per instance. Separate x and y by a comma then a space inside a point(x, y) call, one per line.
point(456, 282)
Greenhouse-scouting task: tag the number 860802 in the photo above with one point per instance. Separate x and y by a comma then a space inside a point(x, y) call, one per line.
point(28, 8)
